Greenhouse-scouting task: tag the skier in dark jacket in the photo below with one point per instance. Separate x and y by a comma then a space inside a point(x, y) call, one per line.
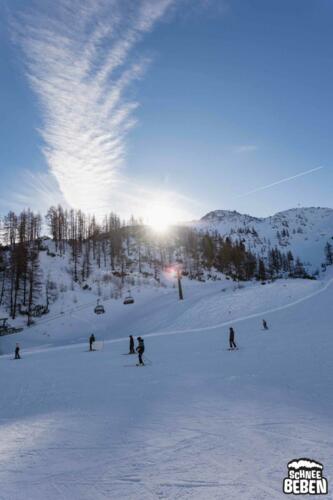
point(91, 341)
point(17, 352)
point(232, 343)
point(264, 324)
point(140, 350)
point(131, 345)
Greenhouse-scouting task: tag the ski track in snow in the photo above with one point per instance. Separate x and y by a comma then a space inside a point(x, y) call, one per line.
point(244, 318)
point(220, 325)
point(199, 423)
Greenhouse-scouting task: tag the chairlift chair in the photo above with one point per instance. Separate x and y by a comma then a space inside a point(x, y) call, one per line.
point(99, 309)
point(128, 299)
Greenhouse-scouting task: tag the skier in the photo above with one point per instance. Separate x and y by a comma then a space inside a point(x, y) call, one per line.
point(232, 343)
point(131, 345)
point(17, 352)
point(91, 341)
point(140, 350)
point(264, 324)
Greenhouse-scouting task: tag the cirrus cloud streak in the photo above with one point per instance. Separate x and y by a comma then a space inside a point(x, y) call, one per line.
point(79, 60)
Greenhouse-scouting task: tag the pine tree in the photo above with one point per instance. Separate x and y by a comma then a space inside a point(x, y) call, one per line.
point(34, 282)
point(261, 270)
point(329, 253)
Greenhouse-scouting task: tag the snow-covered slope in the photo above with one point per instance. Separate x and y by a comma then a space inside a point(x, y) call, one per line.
point(157, 310)
point(198, 422)
point(304, 231)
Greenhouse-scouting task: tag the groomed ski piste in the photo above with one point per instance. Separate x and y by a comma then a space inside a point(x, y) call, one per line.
point(197, 422)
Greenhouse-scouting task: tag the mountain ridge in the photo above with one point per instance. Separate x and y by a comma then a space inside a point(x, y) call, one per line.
point(224, 213)
point(303, 230)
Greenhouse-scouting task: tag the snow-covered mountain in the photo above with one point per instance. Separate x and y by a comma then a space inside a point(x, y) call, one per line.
point(304, 231)
point(63, 274)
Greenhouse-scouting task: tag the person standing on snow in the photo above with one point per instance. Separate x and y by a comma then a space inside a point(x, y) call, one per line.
point(91, 341)
point(17, 352)
point(140, 350)
point(131, 345)
point(264, 324)
point(232, 343)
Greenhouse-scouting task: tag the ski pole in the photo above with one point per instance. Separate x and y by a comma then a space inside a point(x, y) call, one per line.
point(146, 358)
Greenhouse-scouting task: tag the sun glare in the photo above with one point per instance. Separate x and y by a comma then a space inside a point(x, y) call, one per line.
point(161, 217)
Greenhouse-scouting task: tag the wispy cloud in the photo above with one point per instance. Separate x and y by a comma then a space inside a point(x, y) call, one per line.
point(133, 198)
point(80, 63)
point(215, 6)
point(245, 148)
point(37, 191)
point(281, 181)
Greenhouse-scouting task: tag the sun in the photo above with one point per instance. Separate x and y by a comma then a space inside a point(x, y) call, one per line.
point(160, 217)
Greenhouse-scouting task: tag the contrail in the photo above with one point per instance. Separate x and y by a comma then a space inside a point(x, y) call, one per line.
point(286, 179)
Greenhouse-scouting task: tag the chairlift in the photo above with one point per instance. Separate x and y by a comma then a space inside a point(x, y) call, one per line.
point(128, 299)
point(99, 309)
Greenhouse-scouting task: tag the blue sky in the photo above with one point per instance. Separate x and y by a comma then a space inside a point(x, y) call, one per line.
point(178, 106)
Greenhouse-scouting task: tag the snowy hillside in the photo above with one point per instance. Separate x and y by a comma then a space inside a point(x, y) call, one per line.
point(198, 422)
point(156, 310)
point(304, 231)
point(42, 277)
